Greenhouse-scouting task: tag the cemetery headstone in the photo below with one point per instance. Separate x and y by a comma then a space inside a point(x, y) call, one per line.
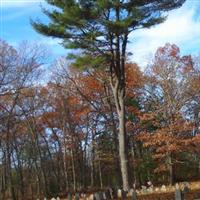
point(101, 195)
point(97, 196)
point(114, 193)
point(144, 189)
point(91, 197)
point(69, 196)
point(149, 183)
point(119, 193)
point(58, 198)
point(134, 195)
point(186, 189)
point(104, 196)
point(178, 195)
point(163, 188)
point(137, 191)
point(108, 196)
point(124, 195)
point(77, 196)
point(111, 192)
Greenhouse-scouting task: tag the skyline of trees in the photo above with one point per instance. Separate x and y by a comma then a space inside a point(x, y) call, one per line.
point(62, 135)
point(100, 30)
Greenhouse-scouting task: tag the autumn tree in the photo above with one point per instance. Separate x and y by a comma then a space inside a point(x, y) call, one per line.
point(167, 93)
point(18, 70)
point(101, 30)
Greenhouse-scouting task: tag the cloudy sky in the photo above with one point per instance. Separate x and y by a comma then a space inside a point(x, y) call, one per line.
point(182, 28)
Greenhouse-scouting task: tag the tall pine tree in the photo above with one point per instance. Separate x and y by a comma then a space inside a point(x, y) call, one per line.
point(100, 29)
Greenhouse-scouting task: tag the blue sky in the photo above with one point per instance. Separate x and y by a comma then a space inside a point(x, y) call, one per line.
point(182, 28)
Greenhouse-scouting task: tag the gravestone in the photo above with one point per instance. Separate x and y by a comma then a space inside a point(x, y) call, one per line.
point(111, 193)
point(53, 198)
point(178, 195)
point(134, 195)
point(101, 196)
point(130, 192)
point(163, 188)
point(58, 198)
point(114, 193)
point(104, 195)
point(150, 189)
point(137, 191)
point(107, 192)
point(150, 184)
point(69, 196)
point(77, 196)
point(144, 189)
point(124, 195)
point(84, 196)
point(91, 197)
point(186, 189)
point(119, 193)
point(97, 196)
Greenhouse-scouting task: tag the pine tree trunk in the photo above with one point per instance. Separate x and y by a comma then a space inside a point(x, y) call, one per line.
point(122, 146)
point(120, 105)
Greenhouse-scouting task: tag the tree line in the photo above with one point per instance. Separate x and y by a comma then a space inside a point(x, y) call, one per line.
point(63, 135)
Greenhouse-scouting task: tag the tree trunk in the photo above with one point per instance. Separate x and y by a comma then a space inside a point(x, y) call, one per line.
point(100, 174)
point(118, 88)
point(73, 171)
point(171, 174)
point(122, 148)
point(65, 163)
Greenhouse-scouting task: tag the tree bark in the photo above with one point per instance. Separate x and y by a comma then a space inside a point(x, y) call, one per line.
point(122, 147)
point(73, 171)
point(120, 105)
point(171, 174)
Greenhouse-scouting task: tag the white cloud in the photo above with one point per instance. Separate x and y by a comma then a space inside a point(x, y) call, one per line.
point(182, 27)
point(19, 3)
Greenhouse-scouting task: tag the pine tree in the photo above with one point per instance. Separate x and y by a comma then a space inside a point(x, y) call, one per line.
point(100, 29)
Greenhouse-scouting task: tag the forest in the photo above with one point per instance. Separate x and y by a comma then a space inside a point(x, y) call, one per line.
point(100, 120)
